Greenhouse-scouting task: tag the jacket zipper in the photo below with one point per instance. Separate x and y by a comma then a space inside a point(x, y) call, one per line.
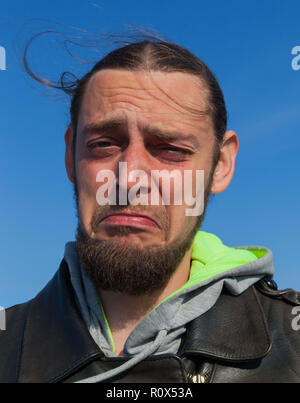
point(203, 375)
point(198, 378)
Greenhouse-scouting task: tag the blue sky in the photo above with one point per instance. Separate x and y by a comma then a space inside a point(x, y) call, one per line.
point(247, 44)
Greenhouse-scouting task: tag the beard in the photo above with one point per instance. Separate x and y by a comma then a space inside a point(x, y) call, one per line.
point(131, 269)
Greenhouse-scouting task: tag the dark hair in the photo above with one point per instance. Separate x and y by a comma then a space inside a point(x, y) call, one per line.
point(150, 55)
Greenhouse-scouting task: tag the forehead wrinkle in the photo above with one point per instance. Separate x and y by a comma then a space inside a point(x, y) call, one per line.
point(191, 108)
point(120, 119)
point(146, 83)
point(198, 118)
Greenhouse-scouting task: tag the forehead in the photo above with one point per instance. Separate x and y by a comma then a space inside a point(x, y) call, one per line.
point(175, 98)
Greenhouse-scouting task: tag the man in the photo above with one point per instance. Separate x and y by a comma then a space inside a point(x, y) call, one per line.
point(144, 295)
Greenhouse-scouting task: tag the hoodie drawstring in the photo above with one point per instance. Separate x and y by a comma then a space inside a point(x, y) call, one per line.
point(128, 364)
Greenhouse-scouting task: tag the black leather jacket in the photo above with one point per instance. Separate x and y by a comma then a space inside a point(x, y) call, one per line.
point(247, 338)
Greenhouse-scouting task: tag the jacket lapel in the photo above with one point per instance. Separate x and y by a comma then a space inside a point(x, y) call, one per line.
point(56, 340)
point(233, 330)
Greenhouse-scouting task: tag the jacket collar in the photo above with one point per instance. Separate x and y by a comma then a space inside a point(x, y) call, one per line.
point(57, 342)
point(233, 330)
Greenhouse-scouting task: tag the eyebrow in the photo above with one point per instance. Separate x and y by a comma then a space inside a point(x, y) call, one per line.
point(106, 125)
point(169, 134)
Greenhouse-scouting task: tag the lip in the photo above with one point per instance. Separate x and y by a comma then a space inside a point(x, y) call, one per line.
point(141, 219)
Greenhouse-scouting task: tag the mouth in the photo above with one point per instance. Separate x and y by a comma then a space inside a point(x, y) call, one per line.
point(130, 219)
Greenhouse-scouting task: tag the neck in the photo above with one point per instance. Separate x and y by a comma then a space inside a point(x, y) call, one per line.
point(124, 312)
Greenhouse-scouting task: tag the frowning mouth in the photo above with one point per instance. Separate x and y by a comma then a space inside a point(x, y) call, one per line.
point(129, 219)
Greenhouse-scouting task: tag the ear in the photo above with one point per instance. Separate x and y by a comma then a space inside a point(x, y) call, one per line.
point(69, 153)
point(225, 168)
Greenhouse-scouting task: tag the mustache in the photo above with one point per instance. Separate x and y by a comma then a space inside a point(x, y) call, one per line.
point(159, 214)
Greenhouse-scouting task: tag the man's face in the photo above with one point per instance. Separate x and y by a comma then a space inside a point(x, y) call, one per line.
point(147, 121)
point(149, 130)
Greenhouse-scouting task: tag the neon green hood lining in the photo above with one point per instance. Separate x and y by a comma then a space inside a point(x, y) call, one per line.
point(211, 257)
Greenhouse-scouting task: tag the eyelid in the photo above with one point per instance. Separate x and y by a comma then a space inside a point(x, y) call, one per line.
point(179, 149)
point(101, 140)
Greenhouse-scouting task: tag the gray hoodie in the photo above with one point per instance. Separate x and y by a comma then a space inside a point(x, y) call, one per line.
point(214, 266)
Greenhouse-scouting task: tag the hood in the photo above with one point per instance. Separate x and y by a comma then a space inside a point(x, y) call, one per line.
point(213, 267)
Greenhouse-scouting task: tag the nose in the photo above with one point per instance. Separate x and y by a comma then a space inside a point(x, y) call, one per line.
point(134, 173)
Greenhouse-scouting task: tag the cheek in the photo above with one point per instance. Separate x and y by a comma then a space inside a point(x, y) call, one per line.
point(86, 179)
point(180, 224)
point(184, 216)
point(87, 188)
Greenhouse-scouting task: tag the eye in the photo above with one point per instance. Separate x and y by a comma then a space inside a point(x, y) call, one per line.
point(176, 150)
point(102, 148)
point(170, 152)
point(101, 144)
